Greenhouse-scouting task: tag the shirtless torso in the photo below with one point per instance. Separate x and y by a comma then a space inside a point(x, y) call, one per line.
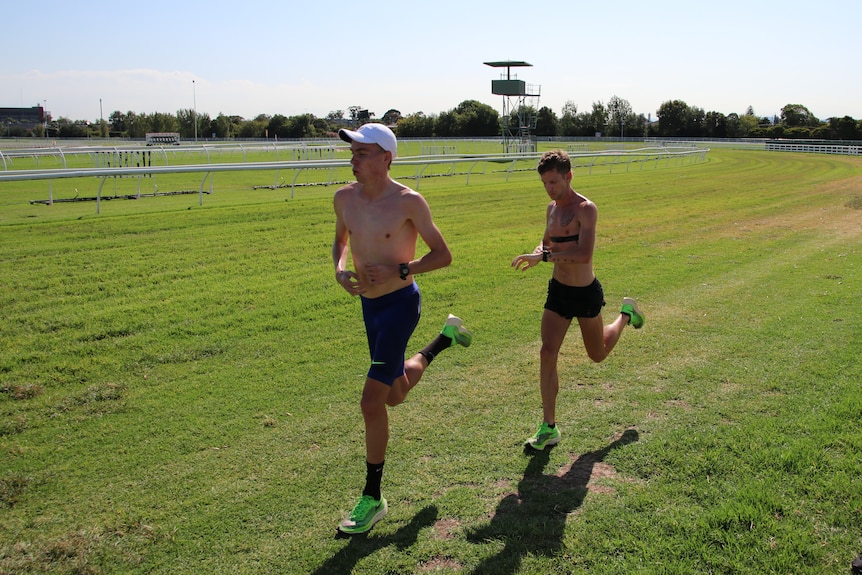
point(379, 220)
point(380, 231)
point(570, 235)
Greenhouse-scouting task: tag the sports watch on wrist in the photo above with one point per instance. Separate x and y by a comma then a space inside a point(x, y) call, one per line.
point(403, 270)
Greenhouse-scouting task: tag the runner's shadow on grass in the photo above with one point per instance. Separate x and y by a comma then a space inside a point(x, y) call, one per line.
point(533, 519)
point(365, 544)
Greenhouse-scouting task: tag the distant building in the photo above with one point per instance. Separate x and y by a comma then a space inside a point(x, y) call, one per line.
point(26, 118)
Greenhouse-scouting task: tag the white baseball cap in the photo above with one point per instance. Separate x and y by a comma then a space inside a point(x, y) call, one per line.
point(372, 134)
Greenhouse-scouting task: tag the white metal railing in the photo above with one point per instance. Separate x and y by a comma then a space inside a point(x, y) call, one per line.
point(287, 150)
point(507, 163)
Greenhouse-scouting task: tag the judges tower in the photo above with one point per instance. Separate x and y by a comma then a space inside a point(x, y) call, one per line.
point(520, 106)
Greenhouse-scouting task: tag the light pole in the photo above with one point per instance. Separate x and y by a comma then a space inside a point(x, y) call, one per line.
point(195, 109)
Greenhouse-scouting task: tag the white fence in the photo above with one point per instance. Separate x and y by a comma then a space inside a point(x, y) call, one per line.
point(417, 167)
point(814, 148)
point(842, 148)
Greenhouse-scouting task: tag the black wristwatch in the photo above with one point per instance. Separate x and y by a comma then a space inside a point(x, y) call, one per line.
point(545, 254)
point(404, 270)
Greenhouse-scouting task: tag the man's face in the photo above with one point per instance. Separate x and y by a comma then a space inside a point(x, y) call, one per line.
point(368, 160)
point(556, 184)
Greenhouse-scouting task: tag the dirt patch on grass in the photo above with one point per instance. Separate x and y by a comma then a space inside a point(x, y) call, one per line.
point(445, 528)
point(439, 563)
point(23, 390)
point(11, 488)
point(74, 552)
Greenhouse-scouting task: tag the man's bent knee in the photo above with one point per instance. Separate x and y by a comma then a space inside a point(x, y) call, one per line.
point(398, 393)
point(597, 356)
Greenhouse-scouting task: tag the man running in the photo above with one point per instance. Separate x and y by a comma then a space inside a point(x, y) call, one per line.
point(573, 291)
point(378, 220)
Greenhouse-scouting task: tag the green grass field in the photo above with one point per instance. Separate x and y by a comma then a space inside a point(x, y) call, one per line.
point(179, 384)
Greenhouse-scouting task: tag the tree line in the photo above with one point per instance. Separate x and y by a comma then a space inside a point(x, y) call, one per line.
point(470, 119)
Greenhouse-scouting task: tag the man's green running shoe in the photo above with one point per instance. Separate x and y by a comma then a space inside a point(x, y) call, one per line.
point(630, 308)
point(367, 512)
point(546, 435)
point(457, 332)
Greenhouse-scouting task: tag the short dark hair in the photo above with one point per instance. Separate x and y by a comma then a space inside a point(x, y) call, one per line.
point(557, 160)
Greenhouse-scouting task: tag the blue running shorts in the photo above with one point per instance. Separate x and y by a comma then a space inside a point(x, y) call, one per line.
point(389, 322)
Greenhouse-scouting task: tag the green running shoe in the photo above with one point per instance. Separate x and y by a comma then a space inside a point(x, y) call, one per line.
point(457, 332)
point(367, 512)
point(630, 308)
point(546, 435)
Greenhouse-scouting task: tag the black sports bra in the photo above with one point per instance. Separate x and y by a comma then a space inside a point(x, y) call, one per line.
point(561, 239)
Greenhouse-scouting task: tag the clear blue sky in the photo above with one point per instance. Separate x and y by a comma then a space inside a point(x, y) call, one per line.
point(300, 56)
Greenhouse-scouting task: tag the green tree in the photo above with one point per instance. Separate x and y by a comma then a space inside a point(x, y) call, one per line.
point(695, 125)
point(298, 127)
point(204, 125)
point(733, 129)
point(845, 128)
point(599, 117)
point(321, 126)
point(778, 131)
point(223, 126)
point(186, 123)
point(672, 118)
point(797, 132)
point(568, 119)
point(716, 125)
point(748, 126)
point(137, 126)
point(416, 125)
point(161, 122)
point(821, 132)
point(475, 119)
point(66, 128)
point(793, 115)
point(444, 126)
point(636, 124)
point(618, 114)
point(391, 117)
point(276, 128)
point(546, 122)
point(117, 122)
point(253, 128)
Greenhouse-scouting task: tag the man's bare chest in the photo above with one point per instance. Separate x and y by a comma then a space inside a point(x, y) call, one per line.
point(563, 220)
point(373, 225)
